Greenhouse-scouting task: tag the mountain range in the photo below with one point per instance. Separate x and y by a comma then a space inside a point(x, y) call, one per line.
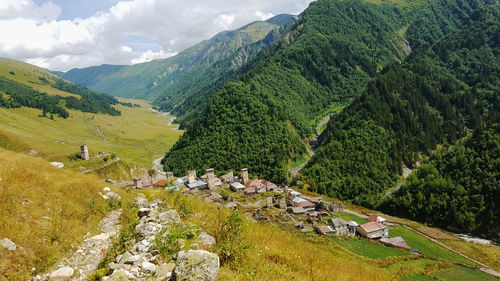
point(256, 103)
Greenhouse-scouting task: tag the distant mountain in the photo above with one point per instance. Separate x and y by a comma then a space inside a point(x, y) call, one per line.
point(23, 84)
point(168, 80)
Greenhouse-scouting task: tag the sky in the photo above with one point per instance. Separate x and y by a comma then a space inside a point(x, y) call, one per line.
point(66, 34)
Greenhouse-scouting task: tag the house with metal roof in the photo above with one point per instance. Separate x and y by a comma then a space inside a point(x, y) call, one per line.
point(197, 185)
point(373, 230)
point(341, 227)
point(237, 187)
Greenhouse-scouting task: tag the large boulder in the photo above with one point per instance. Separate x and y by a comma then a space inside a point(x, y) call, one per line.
point(9, 245)
point(196, 265)
point(63, 273)
point(170, 216)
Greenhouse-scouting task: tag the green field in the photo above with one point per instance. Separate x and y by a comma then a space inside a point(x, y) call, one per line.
point(138, 136)
point(459, 273)
point(425, 246)
point(367, 248)
point(351, 217)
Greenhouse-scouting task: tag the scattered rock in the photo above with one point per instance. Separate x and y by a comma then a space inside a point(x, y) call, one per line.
point(8, 244)
point(164, 271)
point(121, 275)
point(102, 236)
point(112, 195)
point(57, 164)
point(196, 265)
point(106, 189)
point(169, 217)
point(142, 246)
point(148, 267)
point(143, 212)
point(137, 259)
point(207, 239)
point(148, 229)
point(230, 205)
point(139, 202)
point(63, 273)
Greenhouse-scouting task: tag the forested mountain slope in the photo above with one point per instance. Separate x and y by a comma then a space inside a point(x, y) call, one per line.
point(260, 120)
point(430, 99)
point(169, 80)
point(22, 84)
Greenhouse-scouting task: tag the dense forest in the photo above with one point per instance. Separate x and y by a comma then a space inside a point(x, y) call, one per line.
point(457, 188)
point(14, 94)
point(261, 120)
point(434, 97)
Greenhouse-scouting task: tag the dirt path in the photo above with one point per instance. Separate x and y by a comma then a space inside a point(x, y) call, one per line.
point(85, 259)
point(97, 129)
point(406, 173)
point(109, 163)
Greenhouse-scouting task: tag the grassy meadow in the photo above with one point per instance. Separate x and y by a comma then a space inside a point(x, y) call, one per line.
point(138, 136)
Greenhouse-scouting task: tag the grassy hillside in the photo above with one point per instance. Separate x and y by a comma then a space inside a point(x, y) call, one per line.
point(22, 84)
point(45, 211)
point(138, 135)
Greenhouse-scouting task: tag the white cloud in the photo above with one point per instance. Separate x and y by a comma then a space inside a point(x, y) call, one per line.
point(32, 33)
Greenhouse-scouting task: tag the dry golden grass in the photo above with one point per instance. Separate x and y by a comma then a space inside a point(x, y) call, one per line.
point(487, 254)
point(45, 211)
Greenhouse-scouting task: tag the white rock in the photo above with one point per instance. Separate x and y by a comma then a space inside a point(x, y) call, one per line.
point(112, 195)
point(149, 267)
point(57, 164)
point(170, 216)
point(63, 273)
point(207, 239)
point(7, 243)
point(102, 236)
point(106, 189)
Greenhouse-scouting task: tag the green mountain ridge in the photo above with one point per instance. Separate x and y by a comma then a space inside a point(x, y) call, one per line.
point(22, 84)
point(432, 98)
point(167, 80)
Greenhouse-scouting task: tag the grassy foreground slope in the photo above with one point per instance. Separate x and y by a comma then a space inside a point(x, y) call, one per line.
point(44, 211)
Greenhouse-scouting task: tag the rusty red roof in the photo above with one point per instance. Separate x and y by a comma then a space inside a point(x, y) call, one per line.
point(304, 204)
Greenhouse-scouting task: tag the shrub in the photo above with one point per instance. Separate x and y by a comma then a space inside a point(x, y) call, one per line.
point(229, 242)
point(170, 244)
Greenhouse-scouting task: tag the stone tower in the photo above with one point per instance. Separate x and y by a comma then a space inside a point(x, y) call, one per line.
point(211, 179)
point(191, 176)
point(244, 175)
point(170, 176)
point(84, 152)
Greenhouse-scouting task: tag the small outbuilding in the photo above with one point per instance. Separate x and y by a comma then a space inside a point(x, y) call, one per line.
point(376, 218)
point(325, 230)
point(397, 242)
point(237, 187)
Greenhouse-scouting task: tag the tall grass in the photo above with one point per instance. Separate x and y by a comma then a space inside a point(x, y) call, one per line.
point(270, 253)
point(45, 211)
